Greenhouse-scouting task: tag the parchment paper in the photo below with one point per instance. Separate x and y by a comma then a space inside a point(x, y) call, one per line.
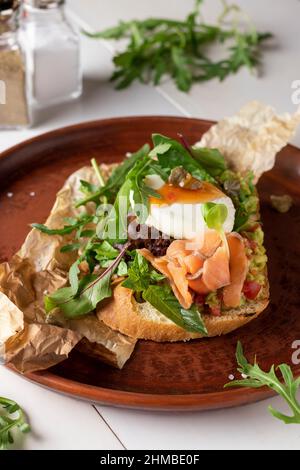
point(27, 340)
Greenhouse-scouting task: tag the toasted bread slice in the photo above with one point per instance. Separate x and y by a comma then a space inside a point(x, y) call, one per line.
point(142, 321)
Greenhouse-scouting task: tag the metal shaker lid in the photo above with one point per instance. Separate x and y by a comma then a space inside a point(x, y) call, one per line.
point(44, 4)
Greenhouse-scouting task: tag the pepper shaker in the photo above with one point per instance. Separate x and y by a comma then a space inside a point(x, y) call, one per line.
point(52, 52)
point(14, 112)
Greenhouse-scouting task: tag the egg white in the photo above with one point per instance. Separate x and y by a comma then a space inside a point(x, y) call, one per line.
point(184, 221)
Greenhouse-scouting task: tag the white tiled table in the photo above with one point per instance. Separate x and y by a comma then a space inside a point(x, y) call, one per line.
point(64, 423)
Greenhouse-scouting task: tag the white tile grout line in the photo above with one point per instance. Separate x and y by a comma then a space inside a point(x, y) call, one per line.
point(173, 102)
point(86, 27)
point(109, 427)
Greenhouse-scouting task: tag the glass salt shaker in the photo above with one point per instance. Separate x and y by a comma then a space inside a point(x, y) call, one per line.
point(52, 51)
point(14, 113)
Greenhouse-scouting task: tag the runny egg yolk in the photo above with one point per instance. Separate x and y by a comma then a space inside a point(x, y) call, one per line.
point(174, 194)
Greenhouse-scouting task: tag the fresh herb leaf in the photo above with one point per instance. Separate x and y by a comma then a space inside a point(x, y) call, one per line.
point(141, 275)
point(134, 194)
point(163, 299)
point(85, 233)
point(176, 156)
point(87, 188)
point(8, 423)
point(122, 268)
point(73, 276)
point(91, 290)
point(105, 251)
point(67, 229)
point(117, 178)
point(159, 47)
point(211, 159)
point(215, 215)
point(70, 247)
point(160, 149)
point(257, 378)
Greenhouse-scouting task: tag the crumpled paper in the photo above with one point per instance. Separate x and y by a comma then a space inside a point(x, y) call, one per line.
point(27, 341)
point(251, 139)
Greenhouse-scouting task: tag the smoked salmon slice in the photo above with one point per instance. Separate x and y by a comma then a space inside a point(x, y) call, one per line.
point(216, 272)
point(203, 266)
point(238, 266)
point(176, 275)
point(208, 244)
point(197, 285)
point(193, 262)
point(178, 250)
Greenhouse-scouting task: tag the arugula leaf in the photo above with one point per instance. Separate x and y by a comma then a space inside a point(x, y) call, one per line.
point(140, 275)
point(7, 423)
point(211, 159)
point(73, 276)
point(117, 177)
point(87, 188)
point(105, 251)
point(215, 215)
point(67, 229)
point(70, 247)
point(158, 47)
point(257, 378)
point(134, 194)
point(163, 299)
point(160, 149)
point(122, 268)
point(90, 291)
point(176, 155)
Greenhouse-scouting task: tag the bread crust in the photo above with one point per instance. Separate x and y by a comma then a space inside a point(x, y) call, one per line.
point(142, 321)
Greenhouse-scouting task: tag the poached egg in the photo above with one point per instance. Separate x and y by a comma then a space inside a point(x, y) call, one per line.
point(178, 211)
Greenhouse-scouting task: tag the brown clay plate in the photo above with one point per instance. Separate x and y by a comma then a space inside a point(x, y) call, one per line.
point(180, 376)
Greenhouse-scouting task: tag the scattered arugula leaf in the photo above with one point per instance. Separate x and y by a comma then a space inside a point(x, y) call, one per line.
point(158, 47)
point(8, 423)
point(163, 299)
point(257, 378)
